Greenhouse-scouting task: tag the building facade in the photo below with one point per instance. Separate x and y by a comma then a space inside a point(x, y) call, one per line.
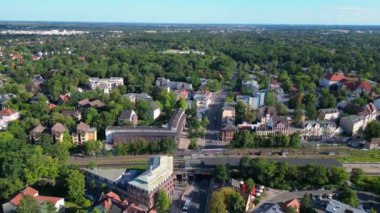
point(106, 84)
point(143, 189)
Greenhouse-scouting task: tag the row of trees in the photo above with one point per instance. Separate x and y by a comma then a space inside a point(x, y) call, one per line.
point(226, 200)
point(247, 139)
point(284, 176)
point(168, 145)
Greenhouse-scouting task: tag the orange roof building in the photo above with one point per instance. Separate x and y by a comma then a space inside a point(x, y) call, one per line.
point(11, 206)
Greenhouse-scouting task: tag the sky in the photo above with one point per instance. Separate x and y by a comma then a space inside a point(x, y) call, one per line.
point(325, 12)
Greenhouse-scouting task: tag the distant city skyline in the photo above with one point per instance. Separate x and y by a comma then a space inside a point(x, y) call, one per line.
point(313, 12)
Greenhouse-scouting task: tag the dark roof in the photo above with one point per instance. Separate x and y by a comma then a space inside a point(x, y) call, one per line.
point(58, 127)
point(72, 113)
point(229, 128)
point(126, 114)
point(154, 105)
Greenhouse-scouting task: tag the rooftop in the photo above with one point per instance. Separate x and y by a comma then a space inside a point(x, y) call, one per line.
point(112, 174)
point(161, 168)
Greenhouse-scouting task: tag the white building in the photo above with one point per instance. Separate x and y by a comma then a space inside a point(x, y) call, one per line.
point(330, 114)
point(202, 101)
point(156, 111)
point(172, 85)
point(136, 97)
point(317, 130)
point(354, 123)
point(106, 84)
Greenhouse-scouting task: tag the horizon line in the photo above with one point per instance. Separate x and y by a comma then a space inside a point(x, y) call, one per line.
point(188, 23)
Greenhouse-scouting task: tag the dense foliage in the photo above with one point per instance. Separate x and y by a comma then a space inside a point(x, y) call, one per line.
point(246, 139)
point(285, 176)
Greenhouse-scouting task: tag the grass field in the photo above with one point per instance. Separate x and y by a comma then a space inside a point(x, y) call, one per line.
point(361, 156)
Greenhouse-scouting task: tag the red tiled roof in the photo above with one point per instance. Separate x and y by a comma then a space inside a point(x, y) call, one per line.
point(52, 106)
point(338, 76)
point(114, 196)
point(27, 191)
point(366, 86)
point(7, 112)
point(49, 199)
point(65, 98)
point(293, 203)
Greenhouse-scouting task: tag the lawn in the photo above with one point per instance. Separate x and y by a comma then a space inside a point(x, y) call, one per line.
point(361, 156)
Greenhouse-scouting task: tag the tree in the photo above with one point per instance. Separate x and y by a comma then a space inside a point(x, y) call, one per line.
point(357, 175)
point(281, 109)
point(221, 173)
point(9, 187)
point(217, 204)
point(338, 176)
point(28, 204)
point(250, 184)
point(372, 130)
point(271, 99)
point(182, 104)
point(307, 204)
point(290, 209)
point(348, 196)
point(163, 201)
point(193, 144)
point(295, 140)
point(75, 185)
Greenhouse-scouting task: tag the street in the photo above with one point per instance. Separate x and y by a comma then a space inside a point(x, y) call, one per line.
point(199, 195)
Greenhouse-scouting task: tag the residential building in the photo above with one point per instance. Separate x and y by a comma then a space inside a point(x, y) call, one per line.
point(86, 103)
point(269, 208)
point(352, 124)
point(259, 99)
point(36, 132)
point(156, 111)
point(334, 206)
point(63, 99)
point(332, 79)
point(128, 117)
point(293, 204)
point(143, 189)
point(124, 134)
point(74, 114)
point(227, 132)
point(228, 112)
point(265, 114)
point(11, 206)
point(136, 97)
point(276, 125)
point(318, 130)
point(112, 177)
point(373, 144)
point(356, 87)
point(8, 115)
point(57, 131)
point(251, 102)
point(250, 86)
point(172, 85)
point(111, 202)
point(202, 101)
point(106, 84)
point(84, 133)
point(330, 114)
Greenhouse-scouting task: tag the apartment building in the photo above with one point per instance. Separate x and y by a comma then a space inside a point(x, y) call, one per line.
point(84, 133)
point(106, 84)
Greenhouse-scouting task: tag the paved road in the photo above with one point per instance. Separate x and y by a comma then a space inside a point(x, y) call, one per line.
point(214, 114)
point(199, 195)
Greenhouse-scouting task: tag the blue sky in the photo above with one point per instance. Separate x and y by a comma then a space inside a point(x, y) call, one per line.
point(196, 11)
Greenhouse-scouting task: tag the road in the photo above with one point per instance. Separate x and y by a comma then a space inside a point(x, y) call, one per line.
point(214, 115)
point(199, 195)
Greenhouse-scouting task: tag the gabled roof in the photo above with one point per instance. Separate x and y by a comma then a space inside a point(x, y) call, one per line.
point(38, 129)
point(338, 76)
point(96, 103)
point(126, 114)
point(83, 102)
point(27, 191)
point(83, 127)
point(292, 203)
point(58, 127)
point(7, 112)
